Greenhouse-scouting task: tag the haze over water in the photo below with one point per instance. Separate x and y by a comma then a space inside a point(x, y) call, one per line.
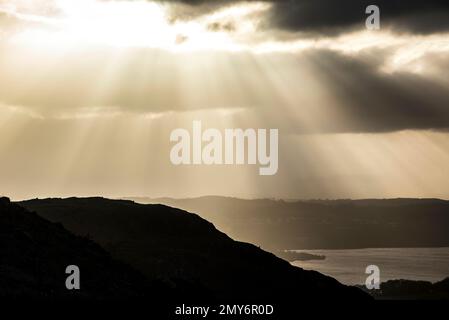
point(348, 266)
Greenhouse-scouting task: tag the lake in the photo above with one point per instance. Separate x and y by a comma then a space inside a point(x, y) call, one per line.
point(348, 266)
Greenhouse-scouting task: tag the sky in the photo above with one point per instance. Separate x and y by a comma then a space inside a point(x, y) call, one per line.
point(91, 89)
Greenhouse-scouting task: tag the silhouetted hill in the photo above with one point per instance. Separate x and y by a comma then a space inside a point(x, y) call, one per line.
point(166, 243)
point(411, 290)
point(324, 224)
point(34, 254)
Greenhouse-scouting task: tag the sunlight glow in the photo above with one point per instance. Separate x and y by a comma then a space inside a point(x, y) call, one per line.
point(134, 24)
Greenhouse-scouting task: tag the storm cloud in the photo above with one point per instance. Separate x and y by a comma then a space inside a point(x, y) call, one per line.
point(328, 16)
point(374, 101)
point(327, 84)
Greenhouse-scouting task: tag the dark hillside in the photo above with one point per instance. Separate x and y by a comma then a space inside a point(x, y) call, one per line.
point(166, 243)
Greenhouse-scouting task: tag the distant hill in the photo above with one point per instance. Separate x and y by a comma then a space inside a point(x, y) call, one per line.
point(166, 243)
point(34, 254)
point(411, 290)
point(324, 224)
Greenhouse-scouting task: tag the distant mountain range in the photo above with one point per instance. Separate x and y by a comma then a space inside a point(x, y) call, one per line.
point(324, 224)
point(173, 247)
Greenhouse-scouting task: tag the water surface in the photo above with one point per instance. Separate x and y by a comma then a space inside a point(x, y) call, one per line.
point(348, 266)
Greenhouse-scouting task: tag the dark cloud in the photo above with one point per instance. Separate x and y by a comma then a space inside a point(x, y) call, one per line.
point(373, 101)
point(330, 16)
point(358, 97)
point(333, 16)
